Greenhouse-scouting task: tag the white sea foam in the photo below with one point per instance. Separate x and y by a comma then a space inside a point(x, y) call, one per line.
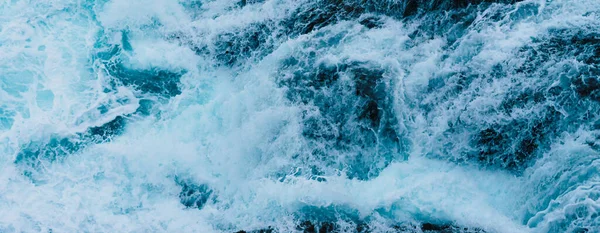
point(235, 131)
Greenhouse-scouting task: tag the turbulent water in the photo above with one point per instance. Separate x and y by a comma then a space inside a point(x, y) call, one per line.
point(299, 116)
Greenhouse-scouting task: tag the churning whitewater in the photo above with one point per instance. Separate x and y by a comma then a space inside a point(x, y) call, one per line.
point(309, 116)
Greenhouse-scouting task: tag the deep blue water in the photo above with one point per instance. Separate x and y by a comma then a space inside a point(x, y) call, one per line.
point(300, 116)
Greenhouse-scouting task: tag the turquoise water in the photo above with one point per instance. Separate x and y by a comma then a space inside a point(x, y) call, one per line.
point(299, 116)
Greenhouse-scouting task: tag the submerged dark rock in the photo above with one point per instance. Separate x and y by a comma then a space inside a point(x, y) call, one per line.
point(258, 39)
point(110, 129)
point(362, 227)
point(232, 47)
point(243, 3)
point(258, 231)
point(513, 144)
point(193, 195)
point(152, 81)
point(553, 77)
point(33, 155)
point(352, 115)
point(309, 227)
point(319, 14)
point(371, 21)
point(588, 87)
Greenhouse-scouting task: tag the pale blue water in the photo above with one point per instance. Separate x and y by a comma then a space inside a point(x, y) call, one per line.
point(299, 116)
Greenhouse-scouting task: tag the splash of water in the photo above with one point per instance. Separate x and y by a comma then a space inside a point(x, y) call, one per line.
point(299, 116)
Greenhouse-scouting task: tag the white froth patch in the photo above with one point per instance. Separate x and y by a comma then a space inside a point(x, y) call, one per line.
point(136, 13)
point(149, 54)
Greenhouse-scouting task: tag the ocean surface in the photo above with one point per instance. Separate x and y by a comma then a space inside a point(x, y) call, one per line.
point(277, 116)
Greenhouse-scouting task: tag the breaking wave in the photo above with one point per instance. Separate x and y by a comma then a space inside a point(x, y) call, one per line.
point(300, 116)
